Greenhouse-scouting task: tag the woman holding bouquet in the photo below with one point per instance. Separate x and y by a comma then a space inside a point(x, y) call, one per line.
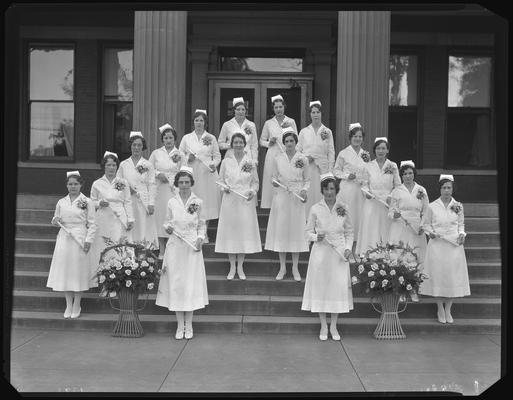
point(328, 281)
point(381, 176)
point(285, 231)
point(237, 232)
point(239, 123)
point(114, 216)
point(408, 203)
point(271, 138)
point(316, 143)
point(202, 152)
point(183, 284)
point(72, 262)
point(166, 162)
point(140, 176)
point(350, 168)
point(445, 264)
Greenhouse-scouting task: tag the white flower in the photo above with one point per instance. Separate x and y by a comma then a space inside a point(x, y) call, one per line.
point(354, 279)
point(373, 256)
point(361, 269)
point(382, 272)
point(372, 284)
point(408, 287)
point(128, 283)
point(134, 266)
point(128, 272)
point(384, 283)
point(144, 263)
point(392, 272)
point(401, 280)
point(374, 267)
point(112, 294)
point(151, 269)
point(393, 263)
point(112, 276)
point(143, 274)
point(102, 278)
point(371, 273)
point(150, 260)
point(150, 286)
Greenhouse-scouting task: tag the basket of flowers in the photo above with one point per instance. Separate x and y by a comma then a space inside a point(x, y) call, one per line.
point(389, 273)
point(127, 269)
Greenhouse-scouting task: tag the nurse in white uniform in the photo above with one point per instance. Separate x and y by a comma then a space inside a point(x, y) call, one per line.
point(183, 284)
point(271, 139)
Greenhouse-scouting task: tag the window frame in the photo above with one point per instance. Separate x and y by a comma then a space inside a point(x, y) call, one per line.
point(103, 45)
point(461, 51)
point(419, 52)
point(25, 114)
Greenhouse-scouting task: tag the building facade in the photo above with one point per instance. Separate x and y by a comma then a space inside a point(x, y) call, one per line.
point(429, 80)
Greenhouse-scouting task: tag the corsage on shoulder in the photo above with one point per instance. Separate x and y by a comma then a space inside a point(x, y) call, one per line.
point(365, 156)
point(341, 211)
point(389, 169)
point(324, 134)
point(247, 166)
point(142, 169)
point(193, 207)
point(176, 157)
point(456, 208)
point(421, 194)
point(118, 185)
point(207, 141)
point(82, 204)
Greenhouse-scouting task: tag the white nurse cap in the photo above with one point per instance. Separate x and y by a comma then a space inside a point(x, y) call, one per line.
point(407, 162)
point(315, 102)
point(69, 173)
point(237, 100)
point(109, 153)
point(444, 176)
point(200, 111)
point(277, 97)
point(381, 138)
point(135, 133)
point(186, 169)
point(165, 127)
point(327, 175)
point(354, 125)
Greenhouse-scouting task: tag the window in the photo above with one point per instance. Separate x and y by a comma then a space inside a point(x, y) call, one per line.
point(469, 142)
point(50, 101)
point(402, 101)
point(258, 59)
point(117, 97)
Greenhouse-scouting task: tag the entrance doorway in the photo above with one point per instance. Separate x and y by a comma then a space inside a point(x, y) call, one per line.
point(257, 90)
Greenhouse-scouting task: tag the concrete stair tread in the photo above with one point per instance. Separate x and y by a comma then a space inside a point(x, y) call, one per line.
point(244, 297)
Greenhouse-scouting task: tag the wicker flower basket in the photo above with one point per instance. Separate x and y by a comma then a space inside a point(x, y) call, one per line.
point(389, 325)
point(128, 324)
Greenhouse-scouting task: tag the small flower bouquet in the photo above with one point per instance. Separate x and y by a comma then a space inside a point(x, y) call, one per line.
point(127, 265)
point(456, 208)
point(421, 194)
point(300, 162)
point(324, 134)
point(176, 157)
point(82, 204)
point(340, 210)
point(207, 141)
point(248, 130)
point(193, 207)
point(389, 169)
point(119, 186)
point(365, 156)
point(285, 124)
point(247, 166)
point(389, 268)
point(142, 168)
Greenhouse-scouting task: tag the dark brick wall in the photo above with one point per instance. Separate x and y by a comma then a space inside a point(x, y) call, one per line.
point(469, 188)
point(86, 99)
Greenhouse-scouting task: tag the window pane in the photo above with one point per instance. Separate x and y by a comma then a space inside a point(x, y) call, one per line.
point(51, 74)
point(118, 78)
point(51, 130)
point(469, 81)
point(402, 82)
point(402, 132)
point(260, 64)
point(469, 141)
point(117, 122)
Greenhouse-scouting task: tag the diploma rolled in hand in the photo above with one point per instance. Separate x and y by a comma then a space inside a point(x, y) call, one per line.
point(69, 233)
point(288, 190)
point(234, 191)
point(185, 240)
point(196, 155)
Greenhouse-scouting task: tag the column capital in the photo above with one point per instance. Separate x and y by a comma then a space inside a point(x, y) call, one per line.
point(200, 53)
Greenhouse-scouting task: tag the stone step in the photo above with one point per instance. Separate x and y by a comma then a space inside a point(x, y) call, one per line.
point(49, 231)
point(251, 324)
point(46, 246)
point(252, 267)
point(254, 285)
point(47, 300)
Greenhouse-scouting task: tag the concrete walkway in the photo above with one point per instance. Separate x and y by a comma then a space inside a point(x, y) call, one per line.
point(92, 361)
